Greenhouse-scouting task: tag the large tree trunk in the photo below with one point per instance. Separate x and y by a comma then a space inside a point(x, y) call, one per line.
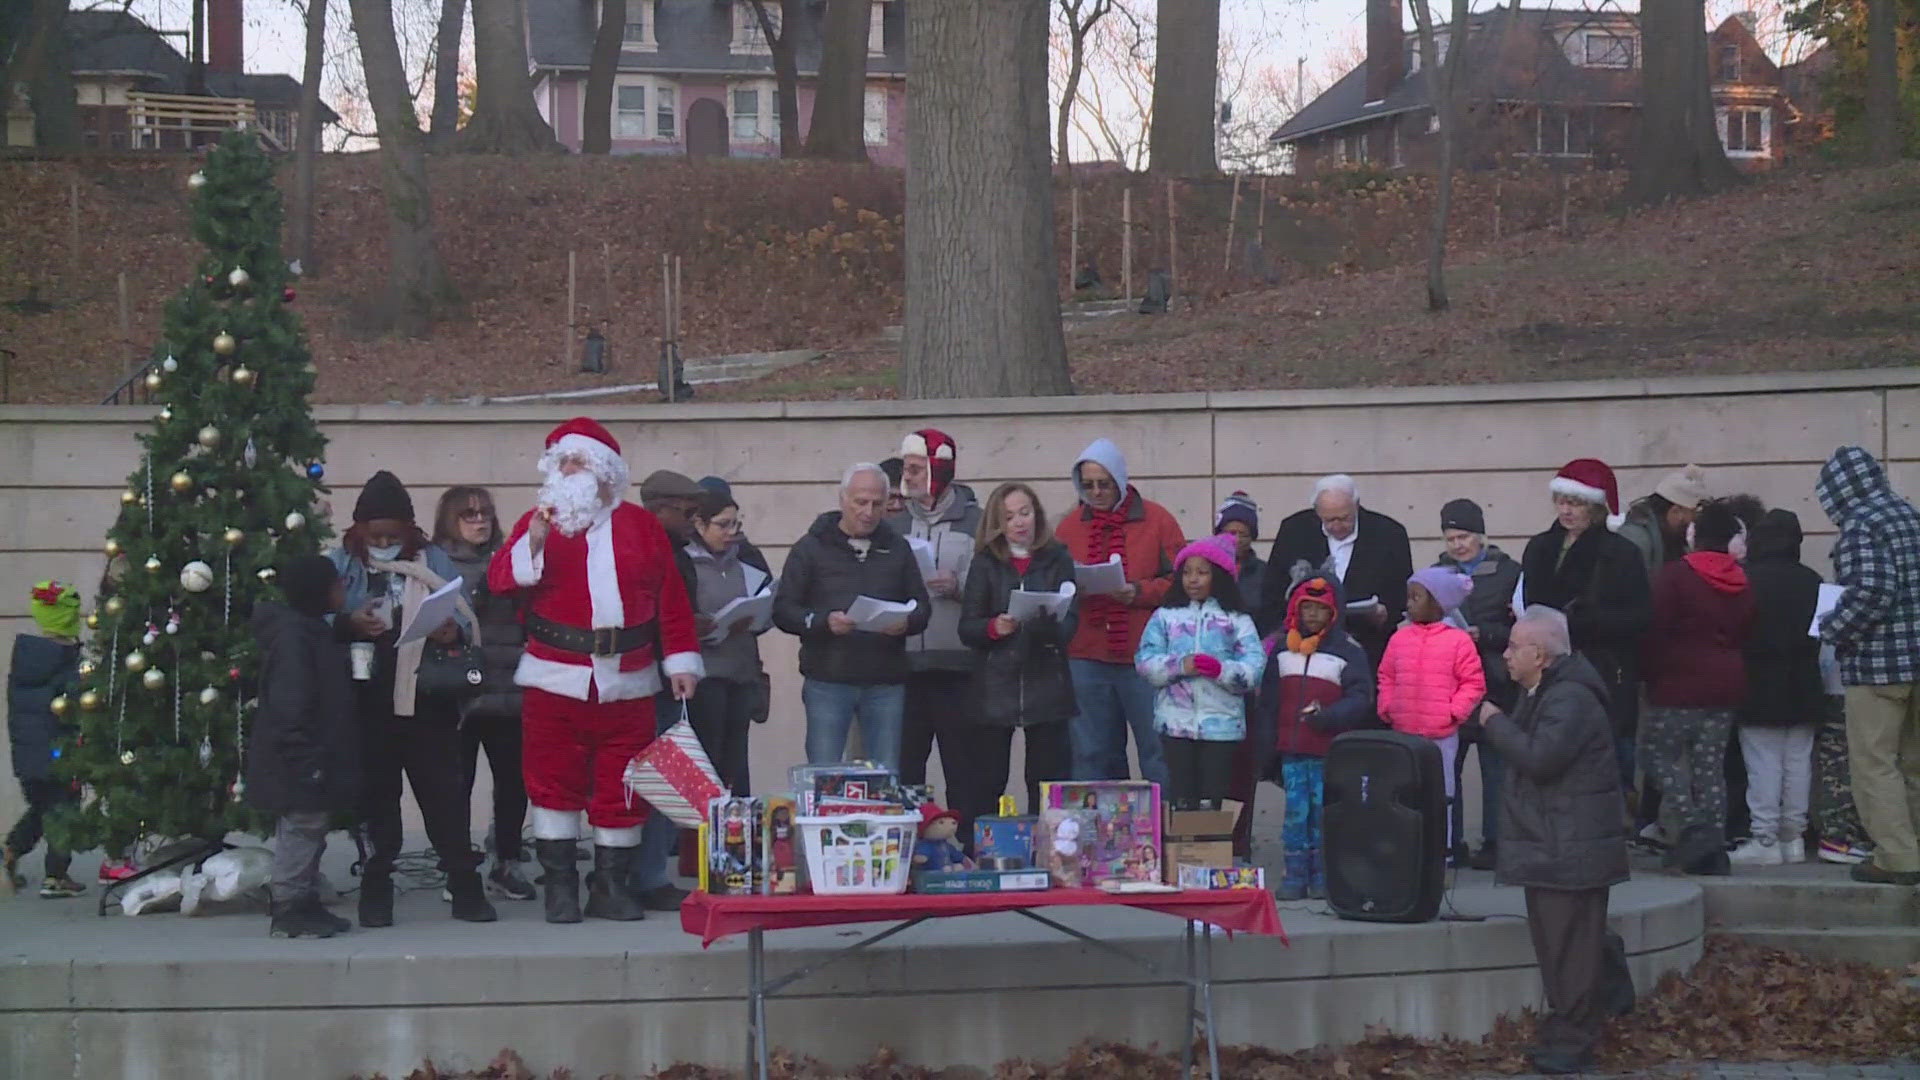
point(839, 128)
point(417, 283)
point(1446, 78)
point(782, 40)
point(983, 310)
point(1679, 152)
point(307, 136)
point(1883, 84)
point(505, 119)
point(1186, 71)
point(446, 74)
point(596, 135)
point(48, 74)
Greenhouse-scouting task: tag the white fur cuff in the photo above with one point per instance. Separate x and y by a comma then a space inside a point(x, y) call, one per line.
point(527, 567)
point(549, 824)
point(616, 838)
point(684, 663)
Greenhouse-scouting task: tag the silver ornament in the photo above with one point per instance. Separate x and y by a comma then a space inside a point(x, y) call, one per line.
point(169, 365)
point(149, 638)
point(295, 520)
point(249, 455)
point(239, 278)
point(209, 695)
point(206, 750)
point(197, 181)
point(154, 679)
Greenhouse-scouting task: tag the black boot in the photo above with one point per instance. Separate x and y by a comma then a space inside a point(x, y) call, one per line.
point(469, 897)
point(320, 914)
point(293, 919)
point(608, 896)
point(560, 878)
point(376, 899)
point(1705, 852)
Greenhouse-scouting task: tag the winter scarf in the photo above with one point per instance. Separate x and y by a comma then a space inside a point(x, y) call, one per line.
point(1718, 569)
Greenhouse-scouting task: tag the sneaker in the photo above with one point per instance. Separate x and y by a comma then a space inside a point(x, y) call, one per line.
point(1839, 851)
point(116, 870)
point(505, 882)
point(1871, 873)
point(298, 920)
point(61, 887)
point(1757, 852)
point(1793, 852)
point(1653, 836)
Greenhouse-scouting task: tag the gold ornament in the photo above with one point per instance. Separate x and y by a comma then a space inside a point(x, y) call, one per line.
point(169, 365)
point(114, 606)
point(154, 679)
point(111, 547)
point(239, 278)
point(233, 537)
point(209, 436)
point(153, 564)
point(136, 661)
point(224, 344)
point(129, 498)
point(209, 696)
point(153, 381)
point(59, 706)
point(180, 482)
point(166, 412)
point(126, 757)
point(243, 376)
point(89, 700)
point(87, 668)
point(93, 620)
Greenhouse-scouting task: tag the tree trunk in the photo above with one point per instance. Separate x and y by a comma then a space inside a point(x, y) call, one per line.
point(446, 74)
point(307, 136)
point(417, 282)
point(1680, 152)
point(983, 307)
point(786, 69)
point(48, 74)
point(505, 118)
point(1186, 71)
point(839, 128)
point(1446, 107)
point(1076, 63)
point(1883, 84)
point(596, 136)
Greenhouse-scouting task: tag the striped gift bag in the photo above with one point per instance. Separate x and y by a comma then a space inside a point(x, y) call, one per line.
point(674, 775)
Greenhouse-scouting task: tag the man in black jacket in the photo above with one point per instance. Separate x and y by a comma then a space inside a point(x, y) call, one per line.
point(1563, 836)
point(1371, 556)
point(852, 673)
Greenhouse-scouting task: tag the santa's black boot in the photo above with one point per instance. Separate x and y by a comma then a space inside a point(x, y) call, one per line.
point(376, 899)
point(560, 879)
point(608, 896)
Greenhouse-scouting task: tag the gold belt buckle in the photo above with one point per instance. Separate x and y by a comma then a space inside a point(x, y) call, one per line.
point(605, 638)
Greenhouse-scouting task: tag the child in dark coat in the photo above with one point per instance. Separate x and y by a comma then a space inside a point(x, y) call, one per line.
point(1785, 696)
point(303, 760)
point(44, 668)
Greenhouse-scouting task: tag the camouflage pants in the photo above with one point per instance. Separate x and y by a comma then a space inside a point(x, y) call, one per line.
point(1834, 817)
point(1685, 751)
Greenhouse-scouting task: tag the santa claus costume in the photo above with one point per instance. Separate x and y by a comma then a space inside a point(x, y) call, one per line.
point(608, 622)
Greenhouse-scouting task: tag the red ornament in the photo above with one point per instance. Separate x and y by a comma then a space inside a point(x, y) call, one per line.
point(209, 279)
point(233, 673)
point(286, 294)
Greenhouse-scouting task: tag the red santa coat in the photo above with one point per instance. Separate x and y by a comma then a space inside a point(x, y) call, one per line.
point(617, 572)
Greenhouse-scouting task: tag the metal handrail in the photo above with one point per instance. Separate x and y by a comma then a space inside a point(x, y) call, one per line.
point(134, 387)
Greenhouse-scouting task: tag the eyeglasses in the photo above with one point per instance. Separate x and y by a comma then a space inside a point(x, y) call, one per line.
point(725, 525)
point(475, 515)
point(1100, 485)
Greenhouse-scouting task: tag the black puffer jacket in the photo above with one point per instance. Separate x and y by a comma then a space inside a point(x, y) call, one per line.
point(304, 753)
point(1601, 586)
point(1489, 609)
point(1019, 680)
point(1783, 660)
point(502, 636)
point(42, 669)
point(823, 574)
point(1562, 822)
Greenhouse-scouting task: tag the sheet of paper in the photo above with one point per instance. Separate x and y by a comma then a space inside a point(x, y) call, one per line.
point(1100, 579)
point(1023, 605)
point(432, 613)
point(1828, 600)
point(879, 616)
point(922, 554)
point(1365, 603)
point(757, 608)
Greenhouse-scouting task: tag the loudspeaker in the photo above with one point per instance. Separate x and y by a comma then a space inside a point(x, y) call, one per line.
point(1386, 827)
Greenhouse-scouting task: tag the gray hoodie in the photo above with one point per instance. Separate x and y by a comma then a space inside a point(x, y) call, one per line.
point(948, 529)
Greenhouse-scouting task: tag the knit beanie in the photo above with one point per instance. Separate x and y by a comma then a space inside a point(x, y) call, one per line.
point(384, 496)
point(56, 609)
point(717, 485)
point(941, 452)
point(1238, 507)
point(307, 583)
point(1449, 588)
point(1221, 551)
point(1464, 515)
point(1683, 487)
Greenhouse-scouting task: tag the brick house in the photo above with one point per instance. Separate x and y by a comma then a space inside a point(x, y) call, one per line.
point(696, 76)
point(1558, 86)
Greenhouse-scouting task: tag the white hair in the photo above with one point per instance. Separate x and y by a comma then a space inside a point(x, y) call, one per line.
point(846, 478)
point(1550, 629)
point(1338, 482)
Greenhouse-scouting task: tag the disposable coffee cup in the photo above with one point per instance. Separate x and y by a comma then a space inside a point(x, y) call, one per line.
point(360, 654)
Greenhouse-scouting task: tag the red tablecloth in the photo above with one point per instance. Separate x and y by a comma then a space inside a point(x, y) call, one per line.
point(715, 917)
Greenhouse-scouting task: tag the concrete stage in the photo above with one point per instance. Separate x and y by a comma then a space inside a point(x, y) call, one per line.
point(166, 996)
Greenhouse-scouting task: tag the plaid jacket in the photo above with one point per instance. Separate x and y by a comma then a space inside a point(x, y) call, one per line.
point(1875, 628)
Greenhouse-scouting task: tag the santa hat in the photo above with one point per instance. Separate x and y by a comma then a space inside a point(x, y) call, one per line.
point(942, 455)
point(1219, 549)
point(1592, 480)
point(583, 437)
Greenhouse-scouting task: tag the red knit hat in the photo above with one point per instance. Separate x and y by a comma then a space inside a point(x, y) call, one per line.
point(942, 455)
point(1590, 479)
point(584, 427)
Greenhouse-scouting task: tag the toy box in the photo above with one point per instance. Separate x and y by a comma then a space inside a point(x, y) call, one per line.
point(859, 853)
point(1199, 838)
point(1003, 843)
point(849, 780)
point(1060, 845)
point(937, 882)
point(734, 846)
point(780, 854)
point(1212, 877)
point(1123, 842)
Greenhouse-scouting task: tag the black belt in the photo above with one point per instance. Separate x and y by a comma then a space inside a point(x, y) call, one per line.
point(598, 641)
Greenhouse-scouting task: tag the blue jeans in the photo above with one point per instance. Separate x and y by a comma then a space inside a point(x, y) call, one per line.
point(1113, 699)
point(832, 709)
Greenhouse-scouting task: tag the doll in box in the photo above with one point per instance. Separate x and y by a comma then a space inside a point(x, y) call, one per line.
point(938, 848)
point(781, 864)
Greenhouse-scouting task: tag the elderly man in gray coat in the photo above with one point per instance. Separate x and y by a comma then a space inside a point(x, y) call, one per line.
point(1562, 832)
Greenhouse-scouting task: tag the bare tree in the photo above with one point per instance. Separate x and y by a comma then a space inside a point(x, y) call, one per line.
point(1114, 101)
point(1080, 17)
point(1445, 84)
point(1186, 73)
point(839, 128)
point(505, 119)
point(418, 288)
point(596, 135)
point(1680, 151)
point(307, 135)
point(781, 37)
point(446, 74)
point(1883, 83)
point(983, 310)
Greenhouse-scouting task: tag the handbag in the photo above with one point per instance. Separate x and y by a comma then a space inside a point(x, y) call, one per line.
point(452, 672)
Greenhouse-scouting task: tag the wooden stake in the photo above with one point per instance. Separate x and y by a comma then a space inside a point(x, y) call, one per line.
point(566, 354)
point(1564, 199)
point(1173, 245)
point(1233, 214)
point(1073, 241)
point(666, 300)
point(1496, 209)
point(1126, 244)
point(679, 301)
point(606, 298)
point(126, 323)
point(1263, 210)
point(73, 205)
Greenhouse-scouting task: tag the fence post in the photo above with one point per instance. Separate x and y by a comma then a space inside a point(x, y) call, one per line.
point(1233, 215)
point(1173, 246)
point(1073, 241)
point(566, 353)
point(1126, 243)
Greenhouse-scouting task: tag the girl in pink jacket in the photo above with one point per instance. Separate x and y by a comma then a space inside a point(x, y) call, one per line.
point(1430, 678)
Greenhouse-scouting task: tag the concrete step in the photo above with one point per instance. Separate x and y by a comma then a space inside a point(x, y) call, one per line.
point(1891, 947)
point(1831, 901)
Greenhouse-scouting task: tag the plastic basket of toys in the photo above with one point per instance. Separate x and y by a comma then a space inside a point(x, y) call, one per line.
point(868, 854)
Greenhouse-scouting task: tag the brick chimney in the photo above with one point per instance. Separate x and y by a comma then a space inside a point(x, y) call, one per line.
point(1386, 48)
point(225, 40)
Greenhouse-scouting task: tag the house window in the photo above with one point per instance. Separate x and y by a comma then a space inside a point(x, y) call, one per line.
point(1746, 132)
point(746, 114)
point(1730, 63)
point(876, 118)
point(877, 29)
point(630, 112)
point(637, 33)
point(747, 34)
point(1562, 132)
point(665, 119)
point(1610, 50)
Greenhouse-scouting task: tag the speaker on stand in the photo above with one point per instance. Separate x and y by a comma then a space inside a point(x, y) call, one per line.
point(1386, 827)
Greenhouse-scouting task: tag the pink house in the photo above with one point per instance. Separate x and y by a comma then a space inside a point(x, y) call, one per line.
point(696, 76)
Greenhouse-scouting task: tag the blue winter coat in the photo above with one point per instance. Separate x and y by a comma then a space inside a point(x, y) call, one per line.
point(42, 670)
point(1195, 706)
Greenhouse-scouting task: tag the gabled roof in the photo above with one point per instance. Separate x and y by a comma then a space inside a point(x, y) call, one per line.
point(115, 43)
point(694, 37)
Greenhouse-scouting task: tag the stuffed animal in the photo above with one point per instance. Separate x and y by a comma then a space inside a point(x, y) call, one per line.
point(936, 849)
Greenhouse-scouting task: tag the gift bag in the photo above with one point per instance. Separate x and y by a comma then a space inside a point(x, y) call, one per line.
point(674, 775)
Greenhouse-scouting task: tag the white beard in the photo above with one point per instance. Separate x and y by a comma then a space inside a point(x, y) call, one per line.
point(574, 500)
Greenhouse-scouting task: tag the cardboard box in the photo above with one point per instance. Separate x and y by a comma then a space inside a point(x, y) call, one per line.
point(938, 882)
point(1003, 843)
point(1202, 838)
point(1210, 878)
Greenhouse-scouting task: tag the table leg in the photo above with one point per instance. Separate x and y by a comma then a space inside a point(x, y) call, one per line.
point(1206, 1000)
point(1186, 1028)
point(756, 1005)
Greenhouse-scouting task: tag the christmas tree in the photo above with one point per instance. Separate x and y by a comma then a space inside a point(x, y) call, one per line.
point(225, 489)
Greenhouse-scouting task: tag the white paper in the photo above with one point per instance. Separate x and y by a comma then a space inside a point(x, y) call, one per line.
point(923, 554)
point(1023, 605)
point(1828, 600)
point(1363, 604)
point(879, 616)
point(758, 608)
point(432, 613)
point(1100, 579)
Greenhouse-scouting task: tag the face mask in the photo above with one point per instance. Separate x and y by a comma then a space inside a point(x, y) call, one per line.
point(384, 554)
